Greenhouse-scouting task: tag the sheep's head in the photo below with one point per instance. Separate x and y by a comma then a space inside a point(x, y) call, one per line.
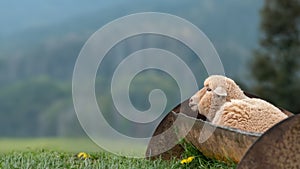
point(216, 91)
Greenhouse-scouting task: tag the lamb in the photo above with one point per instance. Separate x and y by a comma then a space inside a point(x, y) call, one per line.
point(223, 103)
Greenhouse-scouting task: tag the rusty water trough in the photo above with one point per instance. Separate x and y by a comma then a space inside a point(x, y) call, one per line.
point(277, 148)
point(224, 144)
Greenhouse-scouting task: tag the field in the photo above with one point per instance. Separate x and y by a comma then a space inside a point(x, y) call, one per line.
point(62, 153)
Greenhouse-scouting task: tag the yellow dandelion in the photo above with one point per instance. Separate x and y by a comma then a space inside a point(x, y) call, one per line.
point(187, 160)
point(83, 155)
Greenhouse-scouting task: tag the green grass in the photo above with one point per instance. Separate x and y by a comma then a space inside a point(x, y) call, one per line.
point(47, 154)
point(57, 144)
point(66, 145)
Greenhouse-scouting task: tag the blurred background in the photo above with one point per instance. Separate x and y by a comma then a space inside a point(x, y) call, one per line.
point(258, 43)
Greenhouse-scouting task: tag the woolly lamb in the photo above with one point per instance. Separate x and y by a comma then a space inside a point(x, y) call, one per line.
point(223, 103)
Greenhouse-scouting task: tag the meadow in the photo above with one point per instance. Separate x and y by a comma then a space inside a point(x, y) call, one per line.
point(63, 153)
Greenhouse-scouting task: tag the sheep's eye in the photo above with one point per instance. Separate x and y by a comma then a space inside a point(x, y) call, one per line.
point(208, 89)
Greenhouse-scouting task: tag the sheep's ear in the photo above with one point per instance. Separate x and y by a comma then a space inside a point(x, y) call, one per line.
point(220, 91)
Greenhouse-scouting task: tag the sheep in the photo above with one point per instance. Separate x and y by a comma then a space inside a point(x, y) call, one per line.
point(202, 99)
point(224, 104)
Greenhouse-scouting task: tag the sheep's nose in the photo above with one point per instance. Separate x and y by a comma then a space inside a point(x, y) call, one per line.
point(191, 100)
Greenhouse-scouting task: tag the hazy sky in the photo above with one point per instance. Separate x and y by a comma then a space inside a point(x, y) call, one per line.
point(18, 15)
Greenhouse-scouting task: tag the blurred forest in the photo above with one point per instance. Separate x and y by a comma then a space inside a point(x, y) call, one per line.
point(39, 48)
point(275, 66)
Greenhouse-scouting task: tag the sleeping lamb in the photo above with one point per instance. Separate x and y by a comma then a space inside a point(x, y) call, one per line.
point(223, 103)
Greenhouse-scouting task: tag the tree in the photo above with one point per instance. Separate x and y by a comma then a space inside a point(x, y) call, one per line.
point(275, 67)
point(23, 103)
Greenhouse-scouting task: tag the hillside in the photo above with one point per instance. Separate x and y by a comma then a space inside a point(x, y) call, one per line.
point(44, 44)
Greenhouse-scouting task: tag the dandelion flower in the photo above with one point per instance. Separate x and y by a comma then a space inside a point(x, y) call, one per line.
point(83, 155)
point(187, 160)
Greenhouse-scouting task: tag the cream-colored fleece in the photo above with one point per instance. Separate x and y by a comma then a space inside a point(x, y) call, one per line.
point(230, 107)
point(250, 114)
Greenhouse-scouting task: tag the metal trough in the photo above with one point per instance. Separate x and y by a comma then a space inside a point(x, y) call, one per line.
point(277, 148)
point(224, 143)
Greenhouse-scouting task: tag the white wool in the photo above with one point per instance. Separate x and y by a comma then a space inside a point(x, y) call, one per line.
point(224, 103)
point(254, 115)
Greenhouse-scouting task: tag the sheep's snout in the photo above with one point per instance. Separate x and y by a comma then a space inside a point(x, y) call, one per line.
point(193, 103)
point(195, 99)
